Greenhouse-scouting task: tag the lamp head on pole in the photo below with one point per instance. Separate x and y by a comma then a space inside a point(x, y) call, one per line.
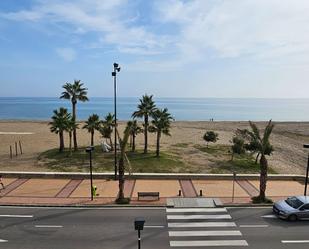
point(89, 149)
point(116, 69)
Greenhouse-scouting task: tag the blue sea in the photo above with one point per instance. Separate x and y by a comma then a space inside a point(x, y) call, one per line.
point(192, 109)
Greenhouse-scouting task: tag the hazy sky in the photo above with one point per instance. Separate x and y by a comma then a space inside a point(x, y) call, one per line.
point(169, 48)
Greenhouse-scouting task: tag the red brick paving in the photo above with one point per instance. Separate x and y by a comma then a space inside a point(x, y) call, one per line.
point(188, 189)
point(69, 188)
point(128, 188)
point(63, 195)
point(13, 186)
point(248, 187)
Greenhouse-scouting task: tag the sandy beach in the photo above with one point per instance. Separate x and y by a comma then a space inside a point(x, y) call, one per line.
point(288, 139)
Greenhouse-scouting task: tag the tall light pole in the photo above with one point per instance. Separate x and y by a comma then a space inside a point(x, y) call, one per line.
point(89, 150)
point(114, 74)
point(306, 180)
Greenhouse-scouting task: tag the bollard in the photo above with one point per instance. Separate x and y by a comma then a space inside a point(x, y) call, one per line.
point(179, 192)
point(16, 148)
point(201, 192)
point(20, 148)
point(11, 154)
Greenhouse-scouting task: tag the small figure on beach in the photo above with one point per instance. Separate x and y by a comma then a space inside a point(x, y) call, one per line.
point(3, 187)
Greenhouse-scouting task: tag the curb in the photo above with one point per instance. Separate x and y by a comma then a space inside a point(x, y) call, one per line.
point(170, 176)
point(83, 206)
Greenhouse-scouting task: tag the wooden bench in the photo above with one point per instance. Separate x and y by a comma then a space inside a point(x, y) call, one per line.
point(148, 194)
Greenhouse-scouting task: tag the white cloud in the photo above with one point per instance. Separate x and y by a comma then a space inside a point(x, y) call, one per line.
point(239, 28)
point(67, 54)
point(112, 20)
point(193, 31)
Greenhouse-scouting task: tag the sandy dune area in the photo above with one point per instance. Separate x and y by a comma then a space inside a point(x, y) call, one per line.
point(288, 139)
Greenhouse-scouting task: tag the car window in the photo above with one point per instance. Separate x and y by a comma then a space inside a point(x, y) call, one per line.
point(305, 207)
point(294, 202)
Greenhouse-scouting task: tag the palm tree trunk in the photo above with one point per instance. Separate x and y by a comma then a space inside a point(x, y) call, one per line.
point(158, 143)
point(111, 143)
point(61, 147)
point(263, 177)
point(257, 158)
point(92, 134)
point(133, 142)
point(70, 142)
point(121, 178)
point(74, 130)
point(146, 134)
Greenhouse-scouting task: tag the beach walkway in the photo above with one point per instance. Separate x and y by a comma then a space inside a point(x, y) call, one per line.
point(62, 192)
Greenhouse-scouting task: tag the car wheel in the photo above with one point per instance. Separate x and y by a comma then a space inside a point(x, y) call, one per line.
point(292, 217)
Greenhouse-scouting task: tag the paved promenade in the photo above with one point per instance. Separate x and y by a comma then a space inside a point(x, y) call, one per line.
point(32, 191)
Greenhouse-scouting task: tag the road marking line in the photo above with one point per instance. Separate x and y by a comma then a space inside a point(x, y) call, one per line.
point(16, 216)
point(203, 233)
point(85, 208)
point(191, 210)
point(203, 224)
point(262, 207)
point(2, 241)
point(271, 216)
point(209, 243)
point(294, 241)
point(253, 226)
point(48, 226)
point(15, 133)
point(154, 226)
point(198, 217)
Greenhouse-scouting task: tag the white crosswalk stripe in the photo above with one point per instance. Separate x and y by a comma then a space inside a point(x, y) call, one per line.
point(199, 217)
point(195, 210)
point(203, 233)
point(191, 243)
point(202, 223)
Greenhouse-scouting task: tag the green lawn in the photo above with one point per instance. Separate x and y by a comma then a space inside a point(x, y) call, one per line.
point(223, 163)
point(219, 157)
point(104, 162)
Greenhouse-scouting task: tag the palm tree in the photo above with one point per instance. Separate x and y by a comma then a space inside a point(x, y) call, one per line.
point(107, 128)
point(92, 124)
point(71, 125)
point(74, 92)
point(135, 129)
point(123, 144)
point(264, 148)
point(145, 109)
point(59, 123)
point(161, 124)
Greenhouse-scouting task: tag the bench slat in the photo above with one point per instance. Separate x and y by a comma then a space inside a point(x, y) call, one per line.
point(144, 194)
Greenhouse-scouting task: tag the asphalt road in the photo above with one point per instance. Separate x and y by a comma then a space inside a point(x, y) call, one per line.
point(50, 228)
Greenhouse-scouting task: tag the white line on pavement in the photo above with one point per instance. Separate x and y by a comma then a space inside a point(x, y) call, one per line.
point(86, 208)
point(193, 210)
point(203, 233)
point(15, 133)
point(203, 224)
point(16, 216)
point(294, 241)
point(209, 243)
point(2, 240)
point(198, 217)
point(253, 226)
point(154, 226)
point(48, 226)
point(270, 216)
